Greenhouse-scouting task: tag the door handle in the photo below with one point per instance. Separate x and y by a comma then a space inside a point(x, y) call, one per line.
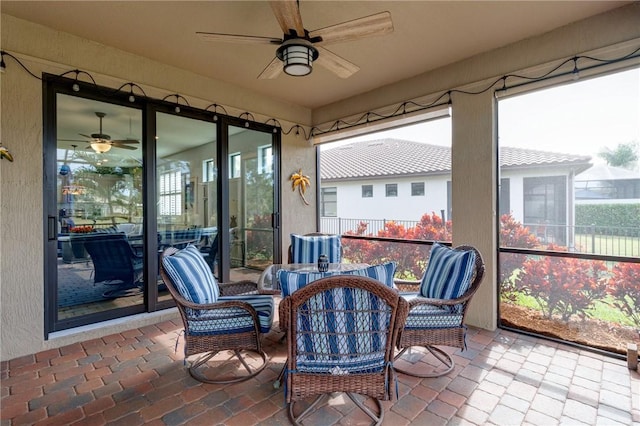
point(52, 228)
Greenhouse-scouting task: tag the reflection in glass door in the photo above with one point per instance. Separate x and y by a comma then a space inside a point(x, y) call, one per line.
point(99, 207)
point(251, 199)
point(186, 174)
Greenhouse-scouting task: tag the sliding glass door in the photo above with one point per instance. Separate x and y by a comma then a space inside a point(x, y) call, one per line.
point(98, 217)
point(251, 199)
point(124, 180)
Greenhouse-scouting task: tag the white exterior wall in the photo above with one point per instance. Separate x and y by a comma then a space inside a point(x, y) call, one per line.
point(352, 205)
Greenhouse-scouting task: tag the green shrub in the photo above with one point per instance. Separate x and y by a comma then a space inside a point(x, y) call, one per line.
point(604, 216)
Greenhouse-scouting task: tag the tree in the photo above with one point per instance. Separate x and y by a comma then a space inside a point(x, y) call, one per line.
point(625, 155)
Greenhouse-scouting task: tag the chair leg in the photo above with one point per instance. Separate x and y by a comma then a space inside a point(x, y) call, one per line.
point(377, 418)
point(278, 382)
point(441, 356)
point(198, 368)
point(297, 419)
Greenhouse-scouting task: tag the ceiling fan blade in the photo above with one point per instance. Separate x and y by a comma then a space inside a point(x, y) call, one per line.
point(237, 38)
point(272, 70)
point(288, 15)
point(336, 64)
point(126, 141)
point(86, 136)
point(115, 145)
point(377, 24)
point(71, 140)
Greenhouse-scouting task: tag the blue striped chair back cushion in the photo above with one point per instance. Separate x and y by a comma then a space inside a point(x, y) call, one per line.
point(431, 316)
point(291, 281)
point(307, 248)
point(218, 321)
point(192, 276)
point(448, 273)
point(342, 331)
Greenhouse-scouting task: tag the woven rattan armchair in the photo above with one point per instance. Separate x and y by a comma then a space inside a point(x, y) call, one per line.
point(434, 322)
point(340, 338)
point(235, 323)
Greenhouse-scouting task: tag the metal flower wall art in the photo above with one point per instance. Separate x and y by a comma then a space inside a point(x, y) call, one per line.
point(300, 182)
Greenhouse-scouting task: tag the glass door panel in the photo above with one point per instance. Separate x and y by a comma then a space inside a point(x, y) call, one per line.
point(99, 207)
point(187, 175)
point(251, 200)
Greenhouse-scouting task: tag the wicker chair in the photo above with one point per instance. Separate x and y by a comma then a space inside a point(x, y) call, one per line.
point(340, 339)
point(307, 248)
point(234, 321)
point(433, 322)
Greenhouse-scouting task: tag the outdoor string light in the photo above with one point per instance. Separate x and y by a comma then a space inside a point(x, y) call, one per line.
point(406, 107)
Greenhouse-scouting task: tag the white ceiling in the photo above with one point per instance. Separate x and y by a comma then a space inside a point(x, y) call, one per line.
point(427, 35)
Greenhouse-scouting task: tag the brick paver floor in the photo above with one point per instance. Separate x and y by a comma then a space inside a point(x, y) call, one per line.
point(136, 377)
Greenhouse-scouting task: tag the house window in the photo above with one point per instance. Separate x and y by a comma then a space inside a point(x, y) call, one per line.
point(265, 159)
point(234, 165)
point(367, 191)
point(329, 202)
point(391, 189)
point(170, 194)
point(417, 189)
point(208, 170)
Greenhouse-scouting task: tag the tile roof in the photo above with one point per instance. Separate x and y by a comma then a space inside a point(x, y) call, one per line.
point(395, 157)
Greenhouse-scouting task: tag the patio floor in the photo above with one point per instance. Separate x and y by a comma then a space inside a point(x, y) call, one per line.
point(136, 377)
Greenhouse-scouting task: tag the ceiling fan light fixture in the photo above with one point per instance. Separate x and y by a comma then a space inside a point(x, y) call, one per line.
point(297, 55)
point(100, 146)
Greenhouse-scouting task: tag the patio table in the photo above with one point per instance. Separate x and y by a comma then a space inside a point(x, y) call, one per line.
point(268, 283)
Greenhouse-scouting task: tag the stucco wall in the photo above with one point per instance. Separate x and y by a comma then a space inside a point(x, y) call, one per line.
point(21, 201)
point(473, 150)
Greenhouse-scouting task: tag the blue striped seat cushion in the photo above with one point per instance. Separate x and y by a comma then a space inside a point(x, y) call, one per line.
point(307, 248)
point(291, 281)
point(430, 316)
point(448, 273)
point(342, 331)
point(191, 276)
point(233, 320)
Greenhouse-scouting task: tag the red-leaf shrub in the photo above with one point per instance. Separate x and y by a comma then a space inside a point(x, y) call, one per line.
point(513, 234)
point(564, 286)
point(624, 287)
point(411, 258)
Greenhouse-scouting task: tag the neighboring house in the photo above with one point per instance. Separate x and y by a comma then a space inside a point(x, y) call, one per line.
point(606, 184)
point(401, 180)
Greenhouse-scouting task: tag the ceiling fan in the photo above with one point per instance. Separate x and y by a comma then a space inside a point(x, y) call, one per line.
point(101, 142)
point(299, 48)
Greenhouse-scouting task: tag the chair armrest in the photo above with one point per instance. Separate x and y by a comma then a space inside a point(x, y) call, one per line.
point(223, 306)
point(419, 300)
point(238, 287)
point(284, 311)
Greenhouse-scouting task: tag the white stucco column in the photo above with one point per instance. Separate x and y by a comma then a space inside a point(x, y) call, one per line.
point(474, 193)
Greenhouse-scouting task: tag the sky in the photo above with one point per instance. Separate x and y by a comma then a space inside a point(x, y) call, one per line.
point(578, 118)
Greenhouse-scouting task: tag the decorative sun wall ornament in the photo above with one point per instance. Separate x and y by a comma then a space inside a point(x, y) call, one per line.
point(4, 153)
point(300, 181)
